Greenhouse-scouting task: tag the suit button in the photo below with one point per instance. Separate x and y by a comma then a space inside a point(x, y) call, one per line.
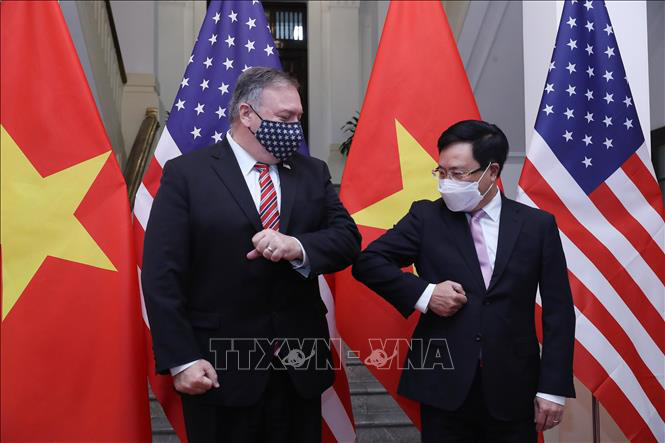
point(478, 337)
point(486, 302)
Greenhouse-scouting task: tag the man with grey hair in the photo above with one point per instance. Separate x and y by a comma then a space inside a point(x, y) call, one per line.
point(238, 234)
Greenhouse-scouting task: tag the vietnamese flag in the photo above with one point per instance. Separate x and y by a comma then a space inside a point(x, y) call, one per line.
point(417, 89)
point(73, 367)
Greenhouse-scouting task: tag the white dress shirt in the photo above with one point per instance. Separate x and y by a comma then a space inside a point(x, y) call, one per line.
point(251, 175)
point(489, 224)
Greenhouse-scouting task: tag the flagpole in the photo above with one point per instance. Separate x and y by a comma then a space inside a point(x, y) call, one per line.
point(595, 419)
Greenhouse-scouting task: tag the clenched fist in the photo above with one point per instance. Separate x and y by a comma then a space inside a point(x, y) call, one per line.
point(447, 298)
point(275, 246)
point(197, 379)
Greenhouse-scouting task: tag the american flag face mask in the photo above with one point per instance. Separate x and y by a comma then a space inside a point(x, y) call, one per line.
point(281, 139)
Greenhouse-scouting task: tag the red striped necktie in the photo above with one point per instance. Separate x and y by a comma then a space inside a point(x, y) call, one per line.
point(268, 210)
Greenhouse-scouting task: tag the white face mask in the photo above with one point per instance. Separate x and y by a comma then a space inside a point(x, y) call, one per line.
point(461, 196)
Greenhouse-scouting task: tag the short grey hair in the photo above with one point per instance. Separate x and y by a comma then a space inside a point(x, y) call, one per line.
point(251, 83)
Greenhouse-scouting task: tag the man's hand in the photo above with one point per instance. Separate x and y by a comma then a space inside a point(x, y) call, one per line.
point(447, 298)
point(197, 379)
point(275, 246)
point(547, 414)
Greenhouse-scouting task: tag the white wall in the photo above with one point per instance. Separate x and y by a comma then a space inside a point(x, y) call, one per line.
point(135, 25)
point(335, 74)
point(91, 32)
point(71, 15)
point(156, 39)
point(490, 44)
point(372, 16)
point(177, 27)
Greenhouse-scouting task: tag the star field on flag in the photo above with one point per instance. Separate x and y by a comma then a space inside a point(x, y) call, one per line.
point(587, 114)
point(233, 38)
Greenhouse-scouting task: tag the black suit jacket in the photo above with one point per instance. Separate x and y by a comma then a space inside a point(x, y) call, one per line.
point(498, 320)
point(201, 290)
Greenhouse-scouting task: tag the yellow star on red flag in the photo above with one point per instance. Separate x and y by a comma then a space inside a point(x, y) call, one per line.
point(38, 218)
point(417, 184)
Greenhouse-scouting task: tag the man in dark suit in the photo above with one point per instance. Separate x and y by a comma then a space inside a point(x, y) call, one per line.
point(480, 258)
point(237, 236)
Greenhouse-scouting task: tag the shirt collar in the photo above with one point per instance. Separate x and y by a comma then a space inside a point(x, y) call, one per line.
point(245, 160)
point(493, 207)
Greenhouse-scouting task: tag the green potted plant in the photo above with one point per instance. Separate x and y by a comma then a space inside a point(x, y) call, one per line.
point(350, 127)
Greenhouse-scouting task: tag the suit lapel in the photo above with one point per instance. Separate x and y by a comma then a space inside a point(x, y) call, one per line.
point(289, 187)
point(461, 233)
point(510, 224)
point(226, 166)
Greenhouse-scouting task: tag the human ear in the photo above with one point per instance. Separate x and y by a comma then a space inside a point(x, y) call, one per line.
point(494, 171)
point(245, 114)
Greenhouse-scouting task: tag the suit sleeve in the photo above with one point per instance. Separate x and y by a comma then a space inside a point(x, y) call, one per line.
point(379, 266)
point(165, 273)
point(337, 244)
point(558, 316)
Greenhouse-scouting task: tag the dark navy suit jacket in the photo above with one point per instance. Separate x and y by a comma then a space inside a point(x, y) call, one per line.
point(201, 290)
point(498, 321)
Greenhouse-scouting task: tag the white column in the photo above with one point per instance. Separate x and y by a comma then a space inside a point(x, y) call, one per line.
point(334, 76)
point(177, 26)
point(135, 25)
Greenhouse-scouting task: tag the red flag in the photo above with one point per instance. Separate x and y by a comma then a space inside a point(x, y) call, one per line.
point(72, 343)
point(418, 88)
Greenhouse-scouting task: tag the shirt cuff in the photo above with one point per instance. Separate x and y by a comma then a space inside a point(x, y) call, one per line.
point(423, 301)
point(302, 266)
point(553, 398)
point(179, 369)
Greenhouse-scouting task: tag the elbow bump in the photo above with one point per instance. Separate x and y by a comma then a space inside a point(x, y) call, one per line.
point(359, 266)
point(356, 270)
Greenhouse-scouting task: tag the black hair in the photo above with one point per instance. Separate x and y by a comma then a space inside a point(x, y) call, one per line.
point(490, 144)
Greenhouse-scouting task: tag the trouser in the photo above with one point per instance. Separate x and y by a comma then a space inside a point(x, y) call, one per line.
point(472, 422)
point(280, 416)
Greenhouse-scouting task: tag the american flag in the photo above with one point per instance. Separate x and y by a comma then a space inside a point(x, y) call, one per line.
point(234, 36)
point(589, 164)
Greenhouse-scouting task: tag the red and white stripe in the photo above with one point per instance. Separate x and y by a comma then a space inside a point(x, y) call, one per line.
point(614, 241)
point(336, 402)
point(268, 210)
